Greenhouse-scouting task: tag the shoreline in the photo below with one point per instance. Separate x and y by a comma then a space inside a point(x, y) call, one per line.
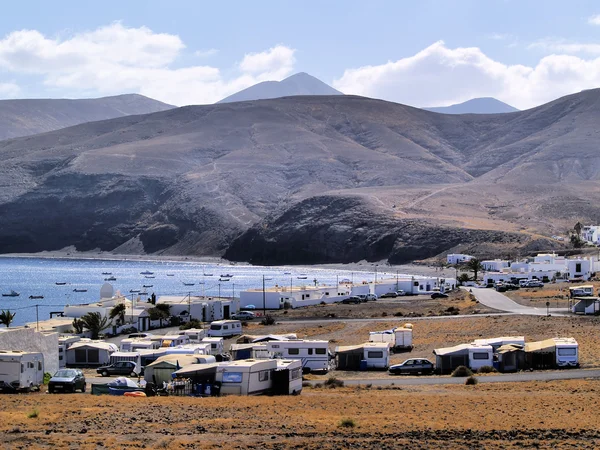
point(360, 266)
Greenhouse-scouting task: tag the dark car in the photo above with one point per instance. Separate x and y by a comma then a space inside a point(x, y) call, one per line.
point(534, 283)
point(67, 380)
point(439, 295)
point(389, 295)
point(413, 366)
point(126, 368)
point(352, 300)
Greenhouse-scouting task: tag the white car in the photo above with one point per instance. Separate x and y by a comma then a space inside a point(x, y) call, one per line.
point(243, 315)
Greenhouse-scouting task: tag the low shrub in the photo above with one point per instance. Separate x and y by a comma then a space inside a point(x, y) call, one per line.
point(486, 369)
point(333, 382)
point(47, 377)
point(471, 381)
point(398, 314)
point(462, 371)
point(193, 323)
point(347, 423)
point(306, 384)
point(384, 314)
point(33, 414)
point(268, 320)
point(318, 386)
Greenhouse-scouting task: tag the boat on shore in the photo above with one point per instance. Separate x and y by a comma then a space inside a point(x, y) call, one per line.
point(110, 279)
point(188, 284)
point(302, 277)
point(170, 274)
point(79, 290)
point(148, 285)
point(146, 272)
point(223, 279)
point(106, 273)
point(35, 297)
point(226, 275)
point(150, 276)
point(11, 294)
point(60, 283)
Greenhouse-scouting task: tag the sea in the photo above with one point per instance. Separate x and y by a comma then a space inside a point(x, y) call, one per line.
point(35, 277)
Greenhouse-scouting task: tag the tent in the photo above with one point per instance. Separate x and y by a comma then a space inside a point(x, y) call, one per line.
point(162, 369)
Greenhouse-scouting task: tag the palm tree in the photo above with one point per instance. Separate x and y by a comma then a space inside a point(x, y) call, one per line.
point(474, 265)
point(78, 325)
point(95, 323)
point(6, 317)
point(118, 312)
point(161, 311)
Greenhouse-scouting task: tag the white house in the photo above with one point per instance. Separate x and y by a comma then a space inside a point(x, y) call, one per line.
point(591, 234)
point(458, 258)
point(579, 269)
point(495, 265)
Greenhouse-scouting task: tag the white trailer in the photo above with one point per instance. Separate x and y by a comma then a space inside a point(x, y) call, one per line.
point(567, 352)
point(399, 338)
point(133, 344)
point(225, 328)
point(246, 377)
point(194, 334)
point(217, 345)
point(480, 355)
point(314, 355)
point(203, 348)
point(21, 371)
point(371, 355)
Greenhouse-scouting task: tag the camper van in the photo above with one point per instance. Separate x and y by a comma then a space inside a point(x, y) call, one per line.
point(225, 328)
point(216, 345)
point(246, 377)
point(194, 334)
point(399, 338)
point(21, 371)
point(567, 352)
point(314, 355)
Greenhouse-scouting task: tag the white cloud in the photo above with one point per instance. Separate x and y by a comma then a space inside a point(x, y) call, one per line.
point(439, 76)
point(562, 45)
point(9, 90)
point(206, 53)
point(116, 59)
point(594, 20)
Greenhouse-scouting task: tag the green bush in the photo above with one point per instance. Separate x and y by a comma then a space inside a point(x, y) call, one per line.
point(471, 381)
point(33, 414)
point(268, 320)
point(462, 371)
point(47, 376)
point(486, 369)
point(347, 423)
point(191, 324)
point(333, 382)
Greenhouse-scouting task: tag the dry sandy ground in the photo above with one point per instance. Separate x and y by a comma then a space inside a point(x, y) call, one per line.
point(496, 416)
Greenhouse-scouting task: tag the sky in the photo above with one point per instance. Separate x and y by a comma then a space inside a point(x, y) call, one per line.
point(422, 52)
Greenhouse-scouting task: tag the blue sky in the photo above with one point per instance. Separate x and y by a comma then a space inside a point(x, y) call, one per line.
point(423, 53)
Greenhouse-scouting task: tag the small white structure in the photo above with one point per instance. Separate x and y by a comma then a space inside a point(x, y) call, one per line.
point(314, 355)
point(217, 345)
point(399, 338)
point(64, 342)
point(579, 269)
point(495, 265)
point(225, 328)
point(371, 355)
point(133, 344)
point(246, 377)
point(591, 234)
point(202, 348)
point(458, 258)
point(470, 355)
point(21, 370)
point(90, 353)
point(194, 334)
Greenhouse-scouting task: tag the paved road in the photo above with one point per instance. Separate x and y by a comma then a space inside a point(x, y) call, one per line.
point(573, 374)
point(497, 300)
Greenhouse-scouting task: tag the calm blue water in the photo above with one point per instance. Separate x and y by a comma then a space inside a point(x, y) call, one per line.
point(38, 276)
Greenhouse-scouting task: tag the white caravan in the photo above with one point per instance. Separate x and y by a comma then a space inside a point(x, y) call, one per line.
point(203, 348)
point(195, 334)
point(225, 328)
point(133, 344)
point(314, 355)
point(21, 371)
point(399, 338)
point(480, 355)
point(246, 377)
point(287, 379)
point(217, 346)
point(567, 352)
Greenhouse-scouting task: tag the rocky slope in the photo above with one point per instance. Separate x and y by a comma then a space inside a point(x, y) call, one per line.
point(31, 116)
point(304, 179)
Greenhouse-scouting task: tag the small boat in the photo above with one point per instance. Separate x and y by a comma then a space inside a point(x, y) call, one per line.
point(208, 274)
point(303, 277)
point(268, 278)
point(150, 276)
point(110, 279)
point(287, 273)
point(106, 273)
point(34, 297)
point(223, 279)
point(148, 285)
point(143, 293)
point(188, 284)
point(60, 283)
point(227, 275)
point(146, 272)
point(11, 294)
point(170, 274)
point(134, 291)
point(79, 290)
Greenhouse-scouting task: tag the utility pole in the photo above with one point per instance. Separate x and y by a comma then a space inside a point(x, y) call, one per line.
point(233, 292)
point(190, 305)
point(397, 286)
point(37, 318)
point(264, 297)
point(132, 308)
point(219, 291)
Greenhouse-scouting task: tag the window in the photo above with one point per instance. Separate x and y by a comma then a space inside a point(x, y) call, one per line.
point(481, 355)
point(225, 327)
point(215, 327)
point(320, 351)
point(293, 351)
point(93, 355)
point(22, 367)
point(310, 351)
point(567, 352)
point(232, 377)
point(296, 373)
point(275, 346)
point(30, 365)
point(263, 375)
point(374, 354)
point(39, 365)
point(80, 356)
point(416, 283)
point(578, 267)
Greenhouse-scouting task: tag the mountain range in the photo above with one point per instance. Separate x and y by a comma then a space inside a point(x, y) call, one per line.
point(31, 116)
point(484, 105)
point(298, 84)
point(309, 179)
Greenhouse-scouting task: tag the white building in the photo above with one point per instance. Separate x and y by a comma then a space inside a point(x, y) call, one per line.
point(206, 309)
point(495, 265)
point(579, 269)
point(458, 258)
point(591, 234)
point(26, 339)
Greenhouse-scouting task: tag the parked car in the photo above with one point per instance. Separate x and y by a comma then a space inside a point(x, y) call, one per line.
point(512, 286)
point(243, 315)
point(389, 295)
point(126, 368)
point(352, 300)
point(412, 366)
point(371, 297)
point(400, 293)
point(67, 380)
point(361, 297)
point(439, 295)
point(534, 283)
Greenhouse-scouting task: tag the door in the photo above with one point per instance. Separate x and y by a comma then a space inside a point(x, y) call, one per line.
point(281, 382)
point(226, 311)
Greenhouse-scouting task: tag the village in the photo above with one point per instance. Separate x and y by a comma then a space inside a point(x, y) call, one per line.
point(258, 343)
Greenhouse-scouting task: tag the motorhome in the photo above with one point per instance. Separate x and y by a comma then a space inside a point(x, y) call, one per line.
point(225, 328)
point(371, 355)
point(314, 355)
point(552, 353)
point(195, 334)
point(134, 344)
point(246, 377)
point(399, 338)
point(217, 346)
point(249, 351)
point(581, 291)
point(21, 371)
